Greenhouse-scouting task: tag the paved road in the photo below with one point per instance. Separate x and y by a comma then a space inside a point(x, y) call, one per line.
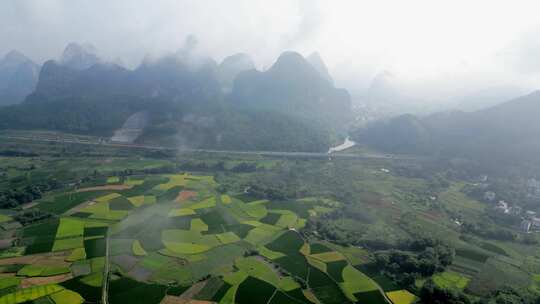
point(186, 150)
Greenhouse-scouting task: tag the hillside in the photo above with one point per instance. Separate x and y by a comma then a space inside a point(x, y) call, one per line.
point(289, 107)
point(18, 77)
point(506, 132)
point(293, 85)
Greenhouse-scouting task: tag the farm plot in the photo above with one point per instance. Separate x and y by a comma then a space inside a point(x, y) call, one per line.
point(68, 243)
point(30, 294)
point(70, 227)
point(211, 290)
point(188, 241)
point(88, 292)
point(355, 282)
point(181, 212)
point(184, 236)
point(62, 203)
point(258, 269)
point(269, 254)
point(178, 180)
point(69, 234)
point(401, 297)
point(295, 264)
point(227, 238)
point(184, 196)
point(198, 225)
point(66, 297)
point(41, 236)
point(225, 199)
point(137, 248)
point(134, 181)
point(289, 242)
point(125, 290)
point(42, 271)
point(451, 280)
point(324, 288)
point(316, 248)
point(253, 290)
point(261, 235)
point(207, 203)
point(328, 257)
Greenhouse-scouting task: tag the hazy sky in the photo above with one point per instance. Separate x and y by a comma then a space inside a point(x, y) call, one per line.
point(445, 45)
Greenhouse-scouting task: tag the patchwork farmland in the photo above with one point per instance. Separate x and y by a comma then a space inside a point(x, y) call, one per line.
point(201, 230)
point(177, 237)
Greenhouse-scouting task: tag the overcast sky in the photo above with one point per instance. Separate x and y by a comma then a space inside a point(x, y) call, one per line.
point(445, 45)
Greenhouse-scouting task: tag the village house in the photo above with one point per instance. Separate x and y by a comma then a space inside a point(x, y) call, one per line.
point(532, 224)
point(502, 206)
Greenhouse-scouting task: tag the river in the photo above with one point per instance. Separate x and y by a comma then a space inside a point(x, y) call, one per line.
point(348, 143)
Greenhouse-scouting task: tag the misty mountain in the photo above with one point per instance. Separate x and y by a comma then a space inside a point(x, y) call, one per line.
point(59, 82)
point(385, 93)
point(485, 98)
point(504, 133)
point(316, 61)
point(168, 77)
point(176, 78)
point(293, 86)
point(231, 66)
point(79, 56)
point(18, 77)
point(291, 106)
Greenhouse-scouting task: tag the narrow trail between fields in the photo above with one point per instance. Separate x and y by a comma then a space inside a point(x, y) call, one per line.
point(104, 295)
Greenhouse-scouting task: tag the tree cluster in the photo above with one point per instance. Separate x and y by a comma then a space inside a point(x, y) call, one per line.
point(488, 231)
point(433, 294)
point(31, 216)
point(421, 257)
point(13, 198)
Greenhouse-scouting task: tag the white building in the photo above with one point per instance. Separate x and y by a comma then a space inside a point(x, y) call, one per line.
point(502, 206)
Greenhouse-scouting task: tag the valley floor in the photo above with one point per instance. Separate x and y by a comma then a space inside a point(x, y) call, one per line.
point(122, 226)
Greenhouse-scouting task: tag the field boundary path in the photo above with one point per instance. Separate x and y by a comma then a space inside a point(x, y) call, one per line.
point(105, 287)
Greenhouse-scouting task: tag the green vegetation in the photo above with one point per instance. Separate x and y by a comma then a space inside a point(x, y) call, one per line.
point(29, 294)
point(138, 249)
point(258, 269)
point(334, 231)
point(253, 290)
point(113, 180)
point(9, 282)
point(124, 290)
point(401, 297)
point(70, 227)
point(451, 280)
point(356, 282)
point(66, 297)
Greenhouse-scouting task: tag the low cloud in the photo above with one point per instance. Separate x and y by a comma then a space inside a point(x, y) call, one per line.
point(432, 46)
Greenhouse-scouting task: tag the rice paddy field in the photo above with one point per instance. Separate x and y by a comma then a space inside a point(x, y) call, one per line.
point(147, 230)
point(170, 236)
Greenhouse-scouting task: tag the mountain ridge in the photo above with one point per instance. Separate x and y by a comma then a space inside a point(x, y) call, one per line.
point(184, 96)
point(502, 133)
point(18, 77)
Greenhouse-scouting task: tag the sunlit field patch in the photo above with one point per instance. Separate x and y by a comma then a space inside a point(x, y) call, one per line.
point(181, 212)
point(401, 297)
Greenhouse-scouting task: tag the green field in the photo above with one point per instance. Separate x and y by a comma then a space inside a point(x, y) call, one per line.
point(307, 229)
point(401, 297)
point(451, 280)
